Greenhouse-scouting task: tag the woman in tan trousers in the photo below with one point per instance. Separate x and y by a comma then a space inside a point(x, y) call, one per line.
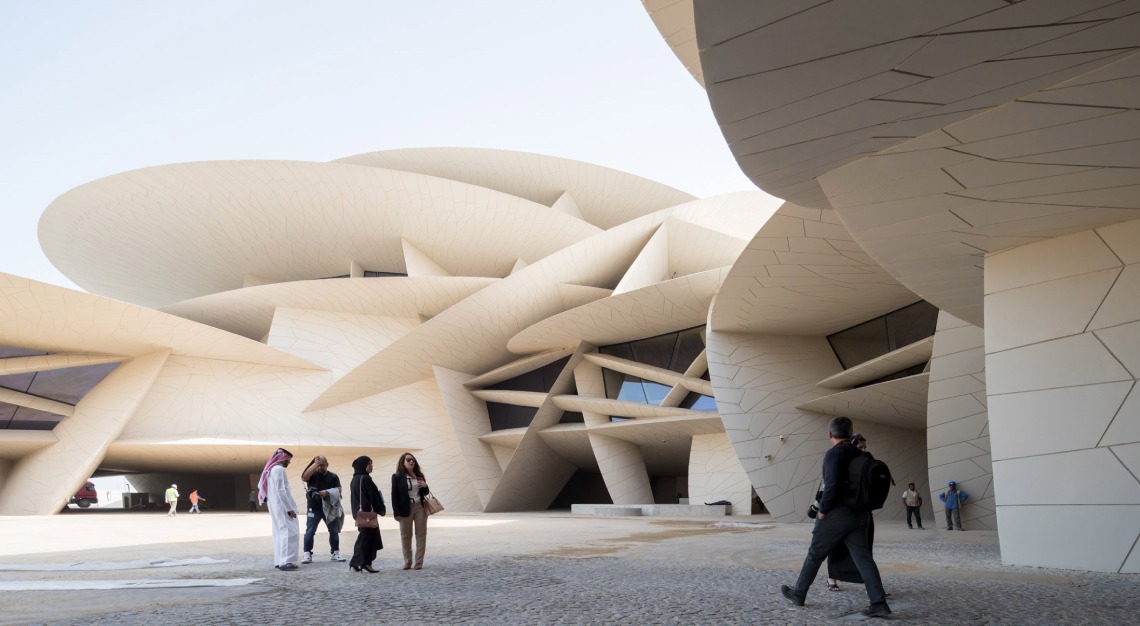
point(408, 490)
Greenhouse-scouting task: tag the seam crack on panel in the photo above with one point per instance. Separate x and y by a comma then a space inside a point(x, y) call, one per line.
point(1116, 414)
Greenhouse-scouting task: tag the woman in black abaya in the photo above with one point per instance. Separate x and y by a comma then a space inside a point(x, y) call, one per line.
point(365, 497)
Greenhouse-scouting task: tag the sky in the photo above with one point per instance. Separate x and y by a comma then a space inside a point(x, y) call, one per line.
point(91, 89)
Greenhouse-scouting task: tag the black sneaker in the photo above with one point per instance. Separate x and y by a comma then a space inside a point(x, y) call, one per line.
point(877, 609)
point(786, 591)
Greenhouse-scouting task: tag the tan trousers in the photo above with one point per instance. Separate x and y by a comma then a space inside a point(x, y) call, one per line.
point(419, 518)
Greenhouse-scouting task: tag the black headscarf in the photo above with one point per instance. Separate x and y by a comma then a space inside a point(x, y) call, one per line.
point(360, 465)
point(365, 496)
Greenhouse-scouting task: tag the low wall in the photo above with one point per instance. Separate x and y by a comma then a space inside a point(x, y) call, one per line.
point(672, 510)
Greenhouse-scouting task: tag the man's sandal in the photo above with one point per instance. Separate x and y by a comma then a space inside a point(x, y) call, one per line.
point(833, 587)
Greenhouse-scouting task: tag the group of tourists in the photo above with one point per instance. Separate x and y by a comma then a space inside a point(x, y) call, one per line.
point(843, 534)
point(325, 499)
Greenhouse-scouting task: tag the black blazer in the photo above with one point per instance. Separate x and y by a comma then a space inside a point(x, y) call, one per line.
point(401, 503)
point(365, 495)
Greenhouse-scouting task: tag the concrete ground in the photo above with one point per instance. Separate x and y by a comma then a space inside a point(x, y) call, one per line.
point(536, 568)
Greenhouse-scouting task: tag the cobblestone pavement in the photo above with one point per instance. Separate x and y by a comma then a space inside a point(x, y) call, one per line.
point(659, 573)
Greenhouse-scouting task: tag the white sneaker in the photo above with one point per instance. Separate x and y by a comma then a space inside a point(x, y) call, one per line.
point(307, 558)
point(337, 557)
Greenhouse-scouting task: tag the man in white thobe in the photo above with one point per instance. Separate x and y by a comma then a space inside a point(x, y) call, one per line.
point(274, 491)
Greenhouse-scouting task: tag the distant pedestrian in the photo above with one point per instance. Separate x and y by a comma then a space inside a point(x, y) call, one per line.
point(913, 501)
point(954, 498)
point(838, 523)
point(194, 498)
point(253, 500)
point(273, 490)
point(323, 494)
point(172, 500)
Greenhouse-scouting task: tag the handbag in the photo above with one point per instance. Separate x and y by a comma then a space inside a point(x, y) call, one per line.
point(365, 519)
point(432, 505)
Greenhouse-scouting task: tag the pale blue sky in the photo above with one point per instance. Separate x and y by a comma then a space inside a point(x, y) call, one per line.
point(90, 89)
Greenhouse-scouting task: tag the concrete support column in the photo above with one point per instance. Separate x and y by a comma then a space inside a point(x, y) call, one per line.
point(958, 435)
point(41, 482)
point(1062, 321)
point(716, 474)
point(623, 469)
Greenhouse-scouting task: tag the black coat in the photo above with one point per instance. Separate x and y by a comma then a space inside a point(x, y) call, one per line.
point(365, 495)
point(401, 502)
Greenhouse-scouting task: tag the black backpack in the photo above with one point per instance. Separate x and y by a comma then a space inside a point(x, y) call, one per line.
point(869, 483)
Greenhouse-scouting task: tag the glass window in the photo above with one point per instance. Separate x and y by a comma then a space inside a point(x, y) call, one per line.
point(69, 385)
point(24, 418)
point(504, 416)
point(886, 333)
point(571, 417)
point(861, 343)
point(655, 392)
point(688, 348)
point(655, 351)
point(910, 371)
point(8, 351)
point(910, 324)
point(631, 389)
point(371, 274)
point(540, 380)
point(18, 382)
point(698, 402)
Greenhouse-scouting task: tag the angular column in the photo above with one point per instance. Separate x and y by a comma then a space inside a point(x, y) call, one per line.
point(469, 420)
point(716, 474)
point(1062, 360)
point(958, 435)
point(623, 469)
point(41, 482)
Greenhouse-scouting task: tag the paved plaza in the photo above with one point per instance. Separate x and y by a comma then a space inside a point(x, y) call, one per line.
point(535, 568)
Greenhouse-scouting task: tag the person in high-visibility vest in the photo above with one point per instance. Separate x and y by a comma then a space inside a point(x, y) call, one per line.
point(172, 500)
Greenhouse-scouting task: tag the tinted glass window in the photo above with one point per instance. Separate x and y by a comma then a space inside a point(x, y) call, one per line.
point(504, 416)
point(69, 385)
point(688, 347)
point(860, 343)
point(571, 417)
point(23, 418)
point(884, 334)
point(7, 351)
point(656, 351)
point(910, 324)
point(541, 379)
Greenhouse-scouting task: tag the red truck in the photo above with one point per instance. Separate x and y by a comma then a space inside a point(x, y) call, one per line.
point(86, 496)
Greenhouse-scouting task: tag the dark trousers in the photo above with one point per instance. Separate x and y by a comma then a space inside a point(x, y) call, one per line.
point(841, 526)
point(367, 543)
point(316, 516)
point(252, 506)
point(953, 517)
point(917, 511)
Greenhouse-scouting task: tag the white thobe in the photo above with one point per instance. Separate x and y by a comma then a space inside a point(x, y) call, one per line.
point(286, 531)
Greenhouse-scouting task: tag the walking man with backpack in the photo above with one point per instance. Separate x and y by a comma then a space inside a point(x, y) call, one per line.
point(844, 514)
